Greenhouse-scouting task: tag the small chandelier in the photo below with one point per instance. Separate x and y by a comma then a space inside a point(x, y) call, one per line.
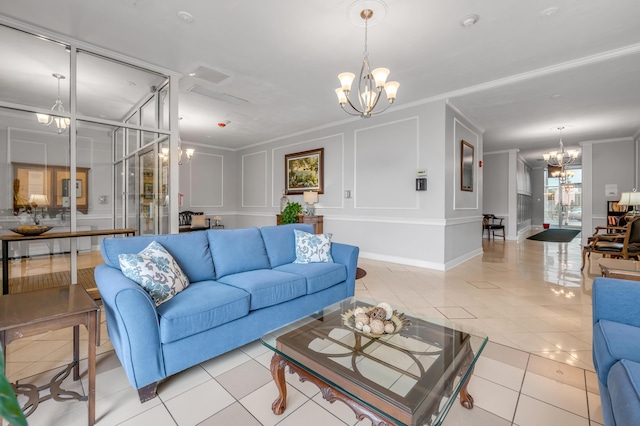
point(563, 175)
point(370, 83)
point(61, 122)
point(164, 154)
point(561, 157)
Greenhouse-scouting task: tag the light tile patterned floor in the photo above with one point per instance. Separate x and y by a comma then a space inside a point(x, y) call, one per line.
point(529, 297)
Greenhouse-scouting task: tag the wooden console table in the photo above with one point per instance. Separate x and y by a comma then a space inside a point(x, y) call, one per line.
point(7, 238)
point(316, 221)
point(36, 312)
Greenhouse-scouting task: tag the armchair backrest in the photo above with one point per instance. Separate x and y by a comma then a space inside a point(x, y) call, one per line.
point(633, 231)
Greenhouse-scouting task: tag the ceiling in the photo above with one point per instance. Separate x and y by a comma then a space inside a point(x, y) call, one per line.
point(519, 73)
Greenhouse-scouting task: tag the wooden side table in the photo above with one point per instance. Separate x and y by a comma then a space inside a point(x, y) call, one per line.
point(316, 221)
point(36, 312)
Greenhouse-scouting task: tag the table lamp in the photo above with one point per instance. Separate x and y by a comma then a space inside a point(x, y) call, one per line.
point(630, 199)
point(311, 198)
point(38, 200)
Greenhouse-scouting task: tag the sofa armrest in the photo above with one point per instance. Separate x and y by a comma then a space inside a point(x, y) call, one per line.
point(347, 255)
point(133, 326)
point(616, 300)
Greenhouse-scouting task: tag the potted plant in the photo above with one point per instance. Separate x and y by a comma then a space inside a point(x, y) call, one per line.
point(290, 213)
point(9, 407)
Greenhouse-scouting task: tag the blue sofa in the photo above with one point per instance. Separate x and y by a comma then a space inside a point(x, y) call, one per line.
point(616, 349)
point(243, 283)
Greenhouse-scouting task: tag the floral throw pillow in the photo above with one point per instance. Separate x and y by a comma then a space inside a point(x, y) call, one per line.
point(312, 248)
point(156, 271)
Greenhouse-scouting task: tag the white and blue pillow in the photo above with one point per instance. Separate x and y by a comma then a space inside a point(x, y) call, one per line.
point(156, 271)
point(312, 248)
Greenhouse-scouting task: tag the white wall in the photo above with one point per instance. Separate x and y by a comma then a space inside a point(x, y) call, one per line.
point(377, 159)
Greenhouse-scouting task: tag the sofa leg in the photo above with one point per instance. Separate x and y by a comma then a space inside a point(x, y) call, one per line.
point(147, 393)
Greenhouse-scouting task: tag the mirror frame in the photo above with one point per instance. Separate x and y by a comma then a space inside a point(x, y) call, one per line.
point(467, 158)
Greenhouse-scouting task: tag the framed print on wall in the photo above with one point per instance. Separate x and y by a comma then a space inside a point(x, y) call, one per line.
point(304, 171)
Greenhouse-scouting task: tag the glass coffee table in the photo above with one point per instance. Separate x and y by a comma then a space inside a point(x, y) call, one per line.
point(410, 377)
point(627, 269)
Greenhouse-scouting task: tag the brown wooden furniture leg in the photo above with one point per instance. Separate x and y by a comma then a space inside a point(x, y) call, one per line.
point(466, 400)
point(278, 365)
point(93, 342)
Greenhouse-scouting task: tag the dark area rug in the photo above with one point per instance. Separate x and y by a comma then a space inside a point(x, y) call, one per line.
point(555, 235)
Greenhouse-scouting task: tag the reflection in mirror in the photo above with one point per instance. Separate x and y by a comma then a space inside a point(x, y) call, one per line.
point(466, 168)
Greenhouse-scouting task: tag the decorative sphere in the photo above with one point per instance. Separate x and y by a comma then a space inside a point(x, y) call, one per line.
point(377, 326)
point(363, 318)
point(388, 309)
point(389, 328)
point(358, 311)
point(378, 313)
point(359, 325)
point(366, 328)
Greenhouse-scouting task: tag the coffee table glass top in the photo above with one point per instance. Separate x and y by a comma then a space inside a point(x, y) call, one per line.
point(411, 377)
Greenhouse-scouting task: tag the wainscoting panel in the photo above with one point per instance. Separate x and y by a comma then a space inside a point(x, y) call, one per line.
point(206, 180)
point(386, 160)
point(254, 179)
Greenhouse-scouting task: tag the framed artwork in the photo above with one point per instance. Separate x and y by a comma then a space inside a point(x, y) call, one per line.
point(466, 166)
point(304, 171)
point(148, 191)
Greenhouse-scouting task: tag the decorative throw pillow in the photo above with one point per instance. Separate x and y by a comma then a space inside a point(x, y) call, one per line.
point(312, 248)
point(156, 271)
point(198, 221)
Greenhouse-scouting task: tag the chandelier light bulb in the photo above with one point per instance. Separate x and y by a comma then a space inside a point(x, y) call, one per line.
point(61, 122)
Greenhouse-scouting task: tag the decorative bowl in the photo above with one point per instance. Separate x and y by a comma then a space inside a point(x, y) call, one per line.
point(31, 230)
point(400, 322)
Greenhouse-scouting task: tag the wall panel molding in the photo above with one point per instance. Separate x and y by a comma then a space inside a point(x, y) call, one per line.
point(254, 179)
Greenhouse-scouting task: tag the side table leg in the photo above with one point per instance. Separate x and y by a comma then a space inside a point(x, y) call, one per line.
point(76, 352)
point(278, 365)
point(466, 400)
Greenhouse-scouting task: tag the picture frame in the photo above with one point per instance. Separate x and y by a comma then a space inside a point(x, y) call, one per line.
point(148, 191)
point(304, 171)
point(467, 159)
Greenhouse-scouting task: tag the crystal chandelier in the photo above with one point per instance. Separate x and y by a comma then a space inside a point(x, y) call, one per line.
point(563, 175)
point(561, 157)
point(61, 122)
point(370, 83)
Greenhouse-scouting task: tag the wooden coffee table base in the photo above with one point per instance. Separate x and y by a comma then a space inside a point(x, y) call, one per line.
point(329, 393)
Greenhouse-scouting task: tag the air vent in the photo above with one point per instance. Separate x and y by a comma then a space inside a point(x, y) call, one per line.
point(224, 97)
point(209, 74)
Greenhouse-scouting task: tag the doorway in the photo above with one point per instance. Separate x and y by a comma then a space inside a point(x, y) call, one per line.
point(563, 198)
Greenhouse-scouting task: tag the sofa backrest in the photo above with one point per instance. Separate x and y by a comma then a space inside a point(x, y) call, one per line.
point(190, 250)
point(280, 242)
point(237, 250)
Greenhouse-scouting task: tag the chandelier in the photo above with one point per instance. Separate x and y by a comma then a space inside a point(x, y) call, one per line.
point(562, 174)
point(164, 155)
point(561, 157)
point(61, 122)
point(370, 83)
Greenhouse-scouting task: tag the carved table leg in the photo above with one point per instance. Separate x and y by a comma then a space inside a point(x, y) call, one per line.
point(466, 400)
point(278, 365)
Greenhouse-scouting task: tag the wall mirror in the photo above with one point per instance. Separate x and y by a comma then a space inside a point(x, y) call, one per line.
point(466, 167)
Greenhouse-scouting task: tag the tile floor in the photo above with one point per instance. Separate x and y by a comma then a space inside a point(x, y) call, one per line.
point(529, 297)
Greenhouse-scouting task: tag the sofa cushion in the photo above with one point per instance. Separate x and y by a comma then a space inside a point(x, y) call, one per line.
point(191, 251)
point(204, 305)
point(318, 275)
point(280, 242)
point(613, 341)
point(267, 287)
point(624, 390)
point(312, 248)
point(237, 250)
point(156, 271)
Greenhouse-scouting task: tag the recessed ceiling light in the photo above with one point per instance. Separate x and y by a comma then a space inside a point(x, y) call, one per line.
point(185, 17)
point(192, 74)
point(131, 83)
point(556, 97)
point(469, 20)
point(548, 12)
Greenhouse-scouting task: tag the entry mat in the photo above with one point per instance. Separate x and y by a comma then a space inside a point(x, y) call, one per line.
point(555, 235)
